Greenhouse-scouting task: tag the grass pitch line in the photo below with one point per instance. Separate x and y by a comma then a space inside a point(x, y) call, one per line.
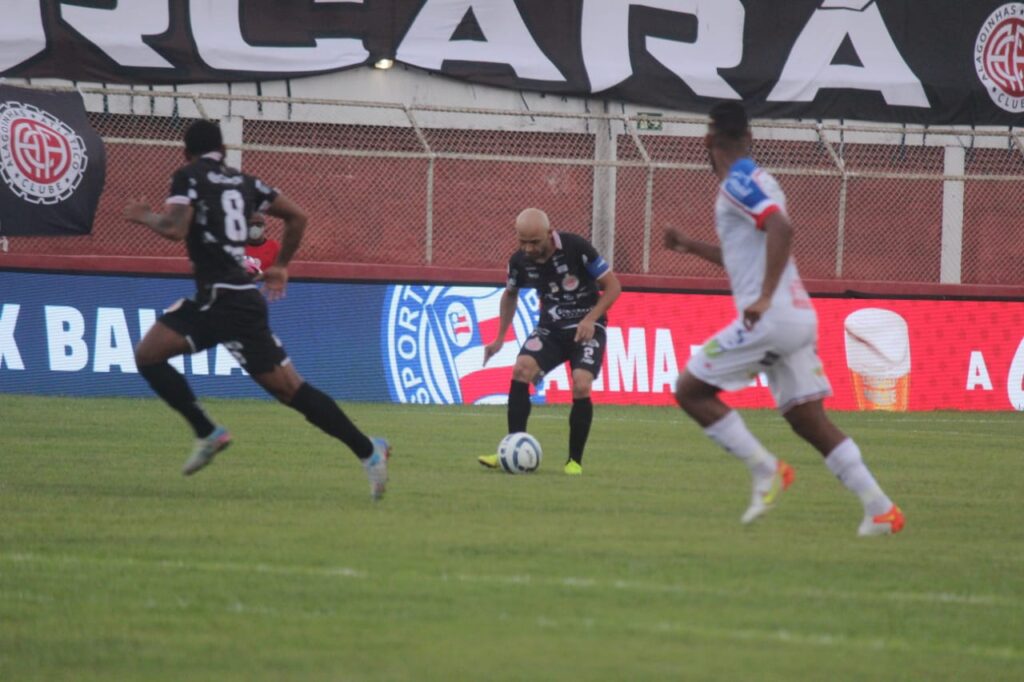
point(981, 600)
point(781, 636)
point(177, 564)
point(581, 583)
point(576, 583)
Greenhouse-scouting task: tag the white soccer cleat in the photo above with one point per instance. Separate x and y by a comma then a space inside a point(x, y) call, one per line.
point(889, 523)
point(376, 467)
point(206, 449)
point(767, 492)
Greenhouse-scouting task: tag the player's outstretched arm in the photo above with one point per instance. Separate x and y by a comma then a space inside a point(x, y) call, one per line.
point(506, 311)
point(676, 240)
point(171, 225)
point(295, 221)
point(275, 277)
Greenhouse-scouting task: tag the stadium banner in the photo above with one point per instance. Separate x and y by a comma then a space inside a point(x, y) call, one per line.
point(74, 335)
point(947, 62)
point(52, 164)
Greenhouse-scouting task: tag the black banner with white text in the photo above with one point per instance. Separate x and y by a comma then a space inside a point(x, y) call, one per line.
point(945, 61)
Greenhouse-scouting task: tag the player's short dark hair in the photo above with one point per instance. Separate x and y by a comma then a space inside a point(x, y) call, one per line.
point(729, 120)
point(203, 137)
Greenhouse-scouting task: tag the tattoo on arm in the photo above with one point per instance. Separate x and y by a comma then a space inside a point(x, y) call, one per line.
point(171, 225)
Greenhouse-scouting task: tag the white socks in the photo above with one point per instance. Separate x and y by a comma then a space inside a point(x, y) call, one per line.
point(846, 463)
point(733, 436)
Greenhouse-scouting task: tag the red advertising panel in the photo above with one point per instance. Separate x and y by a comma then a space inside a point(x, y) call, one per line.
point(878, 353)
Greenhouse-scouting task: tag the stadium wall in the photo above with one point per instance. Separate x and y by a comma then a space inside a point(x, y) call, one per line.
point(422, 193)
point(438, 186)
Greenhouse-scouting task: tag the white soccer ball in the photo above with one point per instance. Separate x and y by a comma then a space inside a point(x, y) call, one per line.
point(519, 453)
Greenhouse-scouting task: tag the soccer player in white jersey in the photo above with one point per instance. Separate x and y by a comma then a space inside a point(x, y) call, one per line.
point(776, 333)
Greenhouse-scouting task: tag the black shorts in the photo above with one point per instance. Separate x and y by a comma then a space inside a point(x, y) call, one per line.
point(236, 318)
point(550, 347)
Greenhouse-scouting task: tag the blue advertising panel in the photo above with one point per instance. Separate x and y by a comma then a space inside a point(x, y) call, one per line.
point(74, 334)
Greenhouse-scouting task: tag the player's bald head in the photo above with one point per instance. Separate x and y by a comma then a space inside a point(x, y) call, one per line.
point(532, 221)
point(534, 231)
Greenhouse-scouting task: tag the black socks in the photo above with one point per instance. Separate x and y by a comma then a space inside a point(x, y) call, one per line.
point(317, 407)
point(518, 406)
point(321, 411)
point(580, 418)
point(171, 386)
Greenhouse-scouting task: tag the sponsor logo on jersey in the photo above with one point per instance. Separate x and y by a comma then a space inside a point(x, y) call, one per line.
point(739, 185)
point(712, 349)
point(434, 339)
point(221, 179)
point(42, 159)
point(999, 56)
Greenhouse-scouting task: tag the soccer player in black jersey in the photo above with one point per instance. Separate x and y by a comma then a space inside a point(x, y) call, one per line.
point(209, 208)
point(567, 272)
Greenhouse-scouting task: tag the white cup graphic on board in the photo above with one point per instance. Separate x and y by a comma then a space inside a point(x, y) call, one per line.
point(878, 355)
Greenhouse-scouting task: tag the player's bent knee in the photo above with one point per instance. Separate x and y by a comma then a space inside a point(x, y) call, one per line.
point(525, 371)
point(141, 359)
point(691, 393)
point(582, 383)
point(522, 375)
point(286, 392)
point(283, 395)
point(282, 382)
point(146, 356)
point(805, 418)
point(683, 397)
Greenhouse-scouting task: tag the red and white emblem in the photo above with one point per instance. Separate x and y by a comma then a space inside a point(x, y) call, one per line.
point(999, 56)
point(570, 283)
point(459, 324)
point(42, 159)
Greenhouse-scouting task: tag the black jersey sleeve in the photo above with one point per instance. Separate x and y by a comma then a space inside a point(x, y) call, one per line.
point(595, 265)
point(183, 188)
point(264, 194)
point(514, 273)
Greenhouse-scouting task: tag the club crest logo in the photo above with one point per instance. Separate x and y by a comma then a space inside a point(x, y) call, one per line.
point(458, 325)
point(42, 159)
point(999, 56)
point(570, 283)
point(434, 341)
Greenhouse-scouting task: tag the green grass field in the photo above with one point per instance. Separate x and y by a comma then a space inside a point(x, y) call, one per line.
point(273, 564)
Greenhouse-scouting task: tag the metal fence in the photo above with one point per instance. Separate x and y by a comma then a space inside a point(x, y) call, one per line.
point(426, 185)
